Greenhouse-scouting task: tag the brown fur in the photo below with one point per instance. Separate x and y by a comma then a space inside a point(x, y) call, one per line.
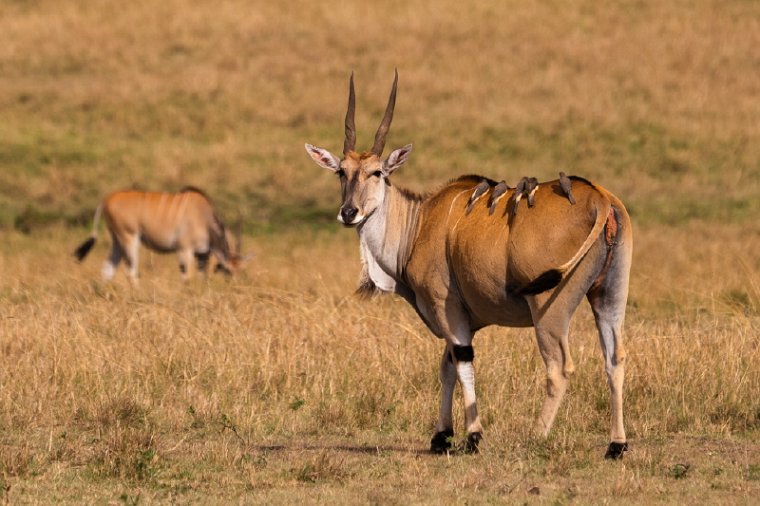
point(184, 222)
point(493, 254)
point(463, 266)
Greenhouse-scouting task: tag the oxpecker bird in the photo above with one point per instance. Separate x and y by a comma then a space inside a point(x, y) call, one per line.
point(567, 187)
point(519, 190)
point(527, 186)
point(498, 192)
point(530, 188)
point(480, 189)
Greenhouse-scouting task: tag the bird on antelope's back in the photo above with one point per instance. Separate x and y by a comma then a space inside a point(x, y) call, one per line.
point(567, 187)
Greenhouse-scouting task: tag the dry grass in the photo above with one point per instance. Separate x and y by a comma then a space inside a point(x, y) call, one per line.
point(281, 387)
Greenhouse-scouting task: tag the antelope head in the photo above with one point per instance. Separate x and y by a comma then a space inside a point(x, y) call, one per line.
point(236, 260)
point(363, 176)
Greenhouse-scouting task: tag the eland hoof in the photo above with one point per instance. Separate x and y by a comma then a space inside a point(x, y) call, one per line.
point(473, 440)
point(616, 450)
point(441, 442)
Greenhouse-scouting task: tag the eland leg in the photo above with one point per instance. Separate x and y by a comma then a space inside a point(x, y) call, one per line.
point(132, 256)
point(185, 258)
point(113, 260)
point(201, 260)
point(608, 300)
point(444, 429)
point(551, 313)
point(558, 370)
point(463, 356)
point(451, 323)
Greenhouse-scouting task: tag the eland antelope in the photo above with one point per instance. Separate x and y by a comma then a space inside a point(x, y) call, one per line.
point(463, 271)
point(184, 222)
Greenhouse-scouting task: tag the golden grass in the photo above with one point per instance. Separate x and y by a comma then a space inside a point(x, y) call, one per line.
point(281, 387)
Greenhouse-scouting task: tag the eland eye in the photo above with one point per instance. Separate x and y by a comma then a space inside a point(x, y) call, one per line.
point(340, 173)
point(377, 173)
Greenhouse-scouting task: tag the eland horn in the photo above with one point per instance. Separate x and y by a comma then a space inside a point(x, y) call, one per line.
point(350, 142)
point(385, 125)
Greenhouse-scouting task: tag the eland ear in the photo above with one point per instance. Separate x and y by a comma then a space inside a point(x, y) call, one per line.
point(323, 158)
point(396, 159)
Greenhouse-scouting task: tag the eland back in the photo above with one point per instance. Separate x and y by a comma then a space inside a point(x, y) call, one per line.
point(464, 265)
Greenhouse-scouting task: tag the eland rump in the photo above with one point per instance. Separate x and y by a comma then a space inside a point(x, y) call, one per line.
point(462, 271)
point(184, 222)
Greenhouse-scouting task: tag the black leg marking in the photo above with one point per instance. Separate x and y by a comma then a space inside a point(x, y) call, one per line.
point(615, 451)
point(464, 353)
point(202, 260)
point(441, 442)
point(473, 441)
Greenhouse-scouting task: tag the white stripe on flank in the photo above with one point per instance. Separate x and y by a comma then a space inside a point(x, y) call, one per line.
point(451, 207)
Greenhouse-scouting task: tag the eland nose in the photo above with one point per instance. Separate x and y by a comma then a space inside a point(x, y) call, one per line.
point(348, 214)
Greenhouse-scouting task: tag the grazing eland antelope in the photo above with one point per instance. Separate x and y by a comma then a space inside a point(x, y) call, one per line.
point(463, 271)
point(184, 222)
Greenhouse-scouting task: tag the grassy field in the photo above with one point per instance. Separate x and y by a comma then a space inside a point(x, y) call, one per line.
point(279, 386)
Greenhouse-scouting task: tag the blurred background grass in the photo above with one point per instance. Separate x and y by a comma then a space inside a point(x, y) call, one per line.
point(657, 101)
